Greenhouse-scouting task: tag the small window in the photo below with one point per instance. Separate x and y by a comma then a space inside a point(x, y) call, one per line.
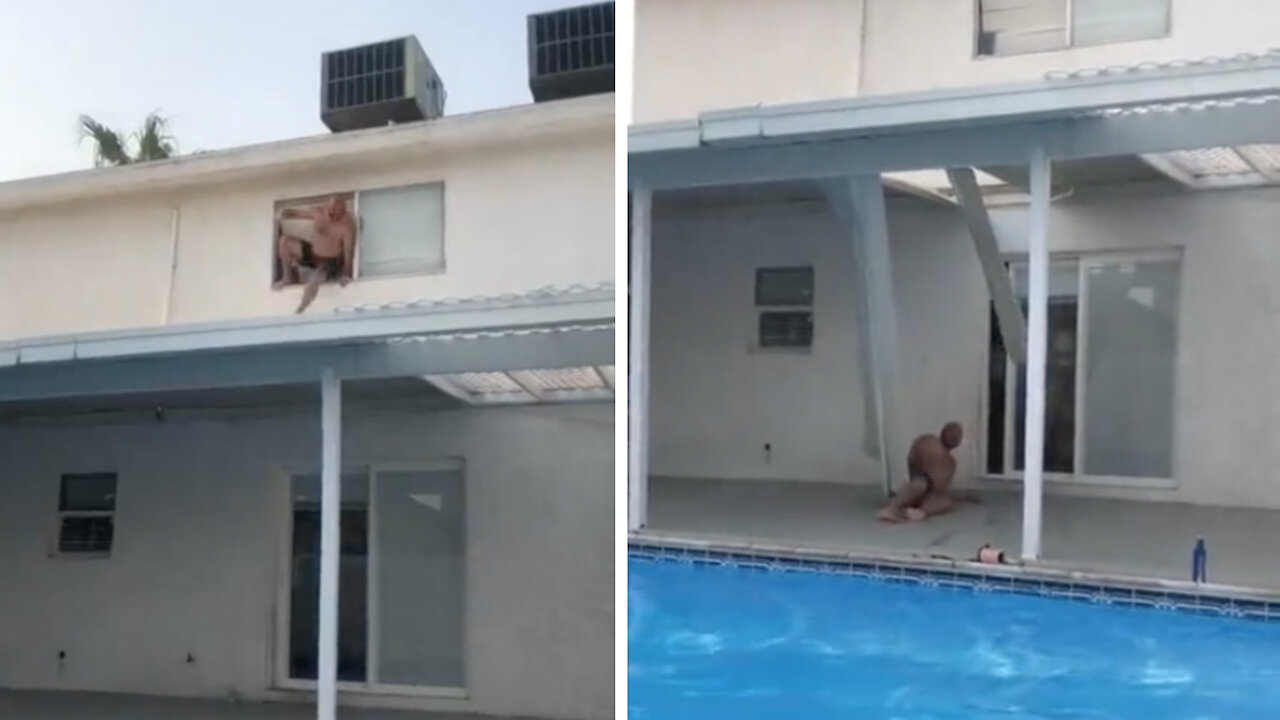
point(86, 514)
point(1015, 27)
point(784, 306)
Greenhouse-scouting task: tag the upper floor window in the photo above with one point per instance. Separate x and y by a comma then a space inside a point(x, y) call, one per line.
point(1013, 27)
point(398, 231)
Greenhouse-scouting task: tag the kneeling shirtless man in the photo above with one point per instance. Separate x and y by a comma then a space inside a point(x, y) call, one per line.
point(931, 469)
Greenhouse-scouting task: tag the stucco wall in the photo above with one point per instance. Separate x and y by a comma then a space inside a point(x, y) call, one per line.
point(691, 57)
point(927, 44)
point(695, 56)
point(715, 402)
point(516, 219)
point(198, 542)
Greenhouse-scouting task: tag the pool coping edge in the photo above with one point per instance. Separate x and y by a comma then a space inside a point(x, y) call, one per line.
point(1018, 578)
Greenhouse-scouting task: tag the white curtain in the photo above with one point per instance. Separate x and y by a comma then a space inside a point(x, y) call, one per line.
point(401, 230)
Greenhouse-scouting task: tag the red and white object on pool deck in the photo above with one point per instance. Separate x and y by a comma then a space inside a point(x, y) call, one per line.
point(991, 556)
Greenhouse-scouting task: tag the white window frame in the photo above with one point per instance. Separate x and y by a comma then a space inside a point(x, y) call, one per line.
point(284, 585)
point(1069, 28)
point(758, 311)
point(56, 545)
point(1084, 261)
point(356, 195)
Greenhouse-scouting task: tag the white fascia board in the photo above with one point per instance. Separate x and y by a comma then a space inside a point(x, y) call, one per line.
point(588, 306)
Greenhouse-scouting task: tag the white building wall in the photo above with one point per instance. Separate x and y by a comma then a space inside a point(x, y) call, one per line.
point(693, 56)
point(928, 44)
point(715, 402)
point(700, 55)
point(517, 217)
point(199, 542)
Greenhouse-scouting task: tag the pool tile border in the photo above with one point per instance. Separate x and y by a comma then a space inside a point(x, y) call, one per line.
point(997, 579)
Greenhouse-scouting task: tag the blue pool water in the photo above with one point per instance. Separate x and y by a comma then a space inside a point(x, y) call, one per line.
point(708, 642)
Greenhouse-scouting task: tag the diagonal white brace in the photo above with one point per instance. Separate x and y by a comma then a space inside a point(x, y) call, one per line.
point(1013, 328)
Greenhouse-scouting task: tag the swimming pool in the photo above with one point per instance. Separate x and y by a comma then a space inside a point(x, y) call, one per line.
point(720, 641)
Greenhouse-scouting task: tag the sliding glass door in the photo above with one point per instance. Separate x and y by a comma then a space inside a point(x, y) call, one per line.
point(401, 579)
point(1110, 380)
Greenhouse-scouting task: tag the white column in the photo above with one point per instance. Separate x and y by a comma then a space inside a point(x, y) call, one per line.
point(872, 229)
point(1037, 351)
point(638, 392)
point(330, 518)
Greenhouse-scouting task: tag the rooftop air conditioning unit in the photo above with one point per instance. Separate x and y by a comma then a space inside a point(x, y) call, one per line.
point(379, 84)
point(571, 52)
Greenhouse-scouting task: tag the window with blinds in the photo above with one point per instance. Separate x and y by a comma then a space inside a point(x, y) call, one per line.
point(401, 230)
point(784, 307)
point(86, 514)
point(1013, 27)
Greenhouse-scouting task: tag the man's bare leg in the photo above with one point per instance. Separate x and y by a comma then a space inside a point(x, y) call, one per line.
point(315, 279)
point(289, 251)
point(932, 505)
point(911, 494)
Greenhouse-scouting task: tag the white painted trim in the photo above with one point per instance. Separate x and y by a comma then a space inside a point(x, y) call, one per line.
point(1037, 349)
point(641, 286)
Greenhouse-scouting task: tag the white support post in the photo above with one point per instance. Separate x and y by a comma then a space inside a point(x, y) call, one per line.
point(1037, 352)
point(330, 548)
point(872, 230)
point(1013, 327)
point(838, 198)
point(638, 392)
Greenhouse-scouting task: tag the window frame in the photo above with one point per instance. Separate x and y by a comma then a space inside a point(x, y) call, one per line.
point(63, 514)
point(1083, 261)
point(1070, 34)
point(354, 196)
point(758, 310)
point(281, 678)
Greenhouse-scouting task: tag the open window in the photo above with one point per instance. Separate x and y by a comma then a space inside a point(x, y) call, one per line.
point(399, 231)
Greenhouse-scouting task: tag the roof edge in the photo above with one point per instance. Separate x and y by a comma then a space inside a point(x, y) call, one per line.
point(574, 304)
point(532, 121)
point(1057, 95)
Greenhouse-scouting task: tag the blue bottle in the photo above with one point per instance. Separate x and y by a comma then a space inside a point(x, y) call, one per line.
point(1199, 562)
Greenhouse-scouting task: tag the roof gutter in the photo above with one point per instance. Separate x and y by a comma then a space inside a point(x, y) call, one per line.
point(524, 123)
point(1057, 96)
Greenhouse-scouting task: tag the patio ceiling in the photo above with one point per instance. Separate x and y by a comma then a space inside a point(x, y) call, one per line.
point(549, 385)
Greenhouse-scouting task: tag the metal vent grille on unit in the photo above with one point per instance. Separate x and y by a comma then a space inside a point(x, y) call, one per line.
point(379, 84)
point(571, 52)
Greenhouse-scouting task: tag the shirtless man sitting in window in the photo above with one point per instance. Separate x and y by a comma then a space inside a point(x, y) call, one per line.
point(931, 468)
point(318, 242)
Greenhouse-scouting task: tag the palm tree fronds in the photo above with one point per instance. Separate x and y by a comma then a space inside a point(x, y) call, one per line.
point(154, 140)
point(109, 144)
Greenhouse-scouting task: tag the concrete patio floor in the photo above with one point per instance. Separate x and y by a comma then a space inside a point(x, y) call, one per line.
point(1107, 536)
point(54, 705)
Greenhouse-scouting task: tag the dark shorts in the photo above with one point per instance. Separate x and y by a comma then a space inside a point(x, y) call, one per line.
point(309, 259)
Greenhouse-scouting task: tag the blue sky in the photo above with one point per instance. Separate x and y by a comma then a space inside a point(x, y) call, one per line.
point(228, 72)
